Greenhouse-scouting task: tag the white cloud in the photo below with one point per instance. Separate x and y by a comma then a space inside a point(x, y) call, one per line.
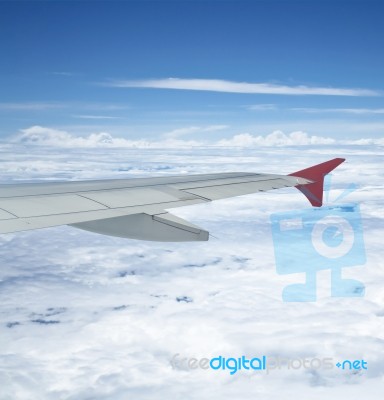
point(276, 138)
point(216, 85)
point(175, 133)
point(296, 138)
point(366, 141)
point(40, 135)
point(43, 136)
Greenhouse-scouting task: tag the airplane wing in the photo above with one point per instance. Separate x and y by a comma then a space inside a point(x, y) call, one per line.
point(136, 208)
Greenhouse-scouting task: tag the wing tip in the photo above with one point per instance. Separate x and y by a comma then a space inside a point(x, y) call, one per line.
point(314, 191)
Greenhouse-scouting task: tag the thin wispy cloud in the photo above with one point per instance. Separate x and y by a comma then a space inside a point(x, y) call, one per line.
point(216, 85)
point(262, 107)
point(95, 117)
point(30, 106)
point(51, 105)
point(62, 73)
point(358, 111)
point(105, 107)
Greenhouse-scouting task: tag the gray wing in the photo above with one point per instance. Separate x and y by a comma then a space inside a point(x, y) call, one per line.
point(132, 208)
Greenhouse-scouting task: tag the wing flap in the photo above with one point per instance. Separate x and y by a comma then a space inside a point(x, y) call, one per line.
point(163, 227)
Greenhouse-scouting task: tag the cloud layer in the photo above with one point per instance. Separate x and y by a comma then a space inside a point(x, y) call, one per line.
point(89, 316)
point(44, 136)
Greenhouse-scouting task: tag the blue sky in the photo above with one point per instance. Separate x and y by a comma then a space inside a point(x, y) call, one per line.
point(97, 66)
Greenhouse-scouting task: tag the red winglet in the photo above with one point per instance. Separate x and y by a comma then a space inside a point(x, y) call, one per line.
point(314, 191)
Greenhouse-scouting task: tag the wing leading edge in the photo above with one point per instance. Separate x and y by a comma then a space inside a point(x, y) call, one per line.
point(135, 208)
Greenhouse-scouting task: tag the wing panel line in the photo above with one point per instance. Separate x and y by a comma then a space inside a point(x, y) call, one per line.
point(95, 201)
point(237, 183)
point(117, 188)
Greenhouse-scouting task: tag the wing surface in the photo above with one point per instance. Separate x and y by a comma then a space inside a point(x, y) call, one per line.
point(134, 208)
